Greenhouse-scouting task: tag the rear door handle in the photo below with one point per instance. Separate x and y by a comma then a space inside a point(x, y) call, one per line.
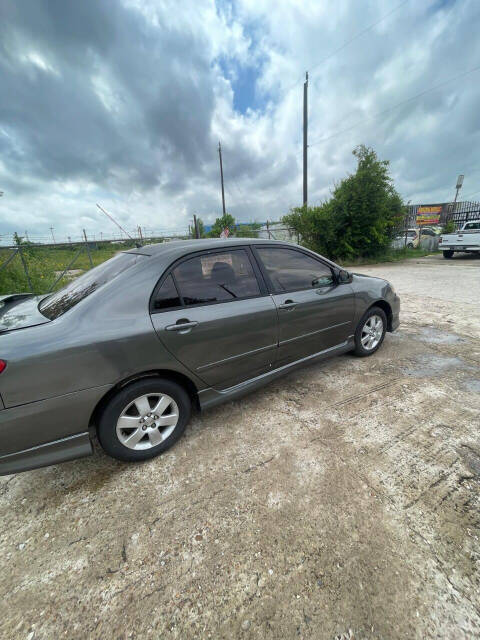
point(181, 326)
point(288, 304)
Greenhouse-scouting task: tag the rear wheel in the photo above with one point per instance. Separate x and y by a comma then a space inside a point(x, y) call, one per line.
point(448, 253)
point(370, 332)
point(144, 419)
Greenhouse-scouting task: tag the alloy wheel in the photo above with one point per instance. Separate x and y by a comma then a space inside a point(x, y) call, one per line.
point(147, 421)
point(372, 332)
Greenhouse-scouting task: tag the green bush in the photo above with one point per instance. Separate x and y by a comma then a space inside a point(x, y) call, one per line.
point(360, 218)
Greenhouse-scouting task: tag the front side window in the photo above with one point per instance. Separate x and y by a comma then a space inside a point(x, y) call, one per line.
point(216, 277)
point(291, 270)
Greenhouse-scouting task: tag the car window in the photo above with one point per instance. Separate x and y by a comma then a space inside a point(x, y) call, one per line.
point(167, 296)
point(64, 299)
point(412, 234)
point(216, 277)
point(290, 270)
point(472, 225)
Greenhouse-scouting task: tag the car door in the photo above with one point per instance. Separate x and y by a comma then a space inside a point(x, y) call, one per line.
point(314, 311)
point(212, 311)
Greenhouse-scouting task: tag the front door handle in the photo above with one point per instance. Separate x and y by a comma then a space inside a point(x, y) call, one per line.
point(288, 304)
point(181, 326)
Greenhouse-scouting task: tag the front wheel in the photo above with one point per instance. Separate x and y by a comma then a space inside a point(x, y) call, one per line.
point(144, 419)
point(370, 332)
point(448, 253)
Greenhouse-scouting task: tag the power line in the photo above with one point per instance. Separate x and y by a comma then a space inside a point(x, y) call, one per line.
point(399, 104)
point(352, 39)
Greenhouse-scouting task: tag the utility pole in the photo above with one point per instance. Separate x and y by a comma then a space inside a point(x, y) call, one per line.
point(305, 143)
point(195, 224)
point(51, 229)
point(221, 176)
point(458, 186)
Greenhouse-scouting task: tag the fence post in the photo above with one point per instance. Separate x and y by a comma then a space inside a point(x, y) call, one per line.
point(88, 249)
point(24, 262)
point(268, 230)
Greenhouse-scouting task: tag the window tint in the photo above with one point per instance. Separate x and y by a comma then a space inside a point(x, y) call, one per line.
point(472, 225)
point(290, 270)
point(167, 296)
point(64, 299)
point(215, 277)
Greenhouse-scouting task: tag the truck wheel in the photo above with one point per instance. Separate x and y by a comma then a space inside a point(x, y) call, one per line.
point(448, 253)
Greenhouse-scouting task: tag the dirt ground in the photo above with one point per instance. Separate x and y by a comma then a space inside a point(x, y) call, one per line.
point(340, 501)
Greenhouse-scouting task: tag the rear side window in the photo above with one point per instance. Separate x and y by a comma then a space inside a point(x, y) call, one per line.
point(216, 277)
point(64, 299)
point(167, 296)
point(472, 225)
point(291, 270)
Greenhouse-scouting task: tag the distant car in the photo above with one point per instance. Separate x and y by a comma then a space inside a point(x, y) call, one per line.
point(408, 239)
point(425, 237)
point(132, 345)
point(467, 240)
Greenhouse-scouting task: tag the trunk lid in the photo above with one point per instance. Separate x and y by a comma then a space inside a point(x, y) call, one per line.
point(19, 311)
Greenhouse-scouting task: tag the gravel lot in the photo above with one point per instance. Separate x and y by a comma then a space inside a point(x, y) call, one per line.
point(342, 500)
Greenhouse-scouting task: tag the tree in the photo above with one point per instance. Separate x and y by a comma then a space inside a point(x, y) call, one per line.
point(360, 218)
point(226, 221)
point(247, 230)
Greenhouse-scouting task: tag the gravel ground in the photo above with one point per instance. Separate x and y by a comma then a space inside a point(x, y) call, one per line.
point(341, 501)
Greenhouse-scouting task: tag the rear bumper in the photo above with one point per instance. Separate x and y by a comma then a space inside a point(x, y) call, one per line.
point(69, 448)
point(48, 431)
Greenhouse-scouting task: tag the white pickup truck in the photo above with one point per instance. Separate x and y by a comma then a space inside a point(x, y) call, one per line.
point(465, 239)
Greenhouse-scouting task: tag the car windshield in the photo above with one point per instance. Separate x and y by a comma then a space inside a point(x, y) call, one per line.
point(64, 299)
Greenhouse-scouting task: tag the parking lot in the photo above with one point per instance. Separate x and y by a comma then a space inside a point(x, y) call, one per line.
point(342, 500)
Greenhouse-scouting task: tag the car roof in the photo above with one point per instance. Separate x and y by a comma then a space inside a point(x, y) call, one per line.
point(181, 247)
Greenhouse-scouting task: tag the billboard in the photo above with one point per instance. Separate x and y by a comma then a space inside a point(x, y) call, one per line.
point(429, 214)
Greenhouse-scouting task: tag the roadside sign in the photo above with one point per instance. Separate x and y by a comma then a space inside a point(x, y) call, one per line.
point(429, 214)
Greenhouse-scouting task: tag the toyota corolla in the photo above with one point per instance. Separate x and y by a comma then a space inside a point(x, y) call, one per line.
point(130, 347)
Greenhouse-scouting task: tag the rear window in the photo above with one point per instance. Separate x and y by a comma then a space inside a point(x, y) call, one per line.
point(64, 299)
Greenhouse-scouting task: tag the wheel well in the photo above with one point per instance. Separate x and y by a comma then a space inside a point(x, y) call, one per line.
point(175, 376)
point(383, 304)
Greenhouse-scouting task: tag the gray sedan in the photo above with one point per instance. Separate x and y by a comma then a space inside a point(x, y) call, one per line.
point(128, 349)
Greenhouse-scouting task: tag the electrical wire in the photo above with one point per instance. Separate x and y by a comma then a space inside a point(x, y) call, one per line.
point(399, 104)
point(345, 44)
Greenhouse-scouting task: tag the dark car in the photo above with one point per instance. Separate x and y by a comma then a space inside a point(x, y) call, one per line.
point(128, 348)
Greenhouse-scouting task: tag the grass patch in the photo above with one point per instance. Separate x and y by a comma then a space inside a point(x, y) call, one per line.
point(392, 255)
point(44, 264)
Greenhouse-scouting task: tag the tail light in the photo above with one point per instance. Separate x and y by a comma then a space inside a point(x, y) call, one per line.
point(440, 240)
point(3, 364)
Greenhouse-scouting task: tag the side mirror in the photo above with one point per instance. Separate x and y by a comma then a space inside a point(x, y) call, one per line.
point(343, 277)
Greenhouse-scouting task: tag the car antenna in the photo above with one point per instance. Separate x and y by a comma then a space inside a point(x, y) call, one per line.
point(137, 244)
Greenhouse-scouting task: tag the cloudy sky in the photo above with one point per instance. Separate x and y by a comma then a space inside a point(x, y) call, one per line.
point(123, 103)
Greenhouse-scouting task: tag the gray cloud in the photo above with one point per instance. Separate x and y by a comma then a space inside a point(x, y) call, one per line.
point(124, 103)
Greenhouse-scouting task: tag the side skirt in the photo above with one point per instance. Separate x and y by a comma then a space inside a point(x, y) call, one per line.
point(62, 450)
point(211, 397)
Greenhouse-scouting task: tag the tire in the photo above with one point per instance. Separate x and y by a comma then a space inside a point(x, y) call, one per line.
point(448, 253)
point(409, 245)
point(361, 348)
point(143, 433)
